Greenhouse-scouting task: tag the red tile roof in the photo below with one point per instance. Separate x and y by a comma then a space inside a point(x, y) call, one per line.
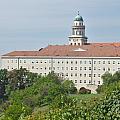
point(90, 50)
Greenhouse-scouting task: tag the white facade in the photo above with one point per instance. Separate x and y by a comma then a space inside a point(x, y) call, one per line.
point(82, 71)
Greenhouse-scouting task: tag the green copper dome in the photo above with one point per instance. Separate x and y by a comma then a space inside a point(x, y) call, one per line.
point(78, 18)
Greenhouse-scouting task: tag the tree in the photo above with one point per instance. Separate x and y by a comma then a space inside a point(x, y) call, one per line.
point(19, 79)
point(69, 87)
point(3, 83)
point(109, 81)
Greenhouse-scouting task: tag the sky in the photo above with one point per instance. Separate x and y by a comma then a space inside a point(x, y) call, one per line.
point(34, 24)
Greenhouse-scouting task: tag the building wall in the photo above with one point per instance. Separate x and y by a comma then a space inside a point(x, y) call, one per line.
point(82, 71)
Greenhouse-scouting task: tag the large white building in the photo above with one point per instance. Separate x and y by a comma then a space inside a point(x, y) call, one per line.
point(83, 63)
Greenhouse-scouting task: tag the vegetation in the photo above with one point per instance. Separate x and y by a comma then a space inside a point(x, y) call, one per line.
point(29, 96)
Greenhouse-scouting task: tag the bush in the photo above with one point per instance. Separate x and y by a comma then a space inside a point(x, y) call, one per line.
point(15, 111)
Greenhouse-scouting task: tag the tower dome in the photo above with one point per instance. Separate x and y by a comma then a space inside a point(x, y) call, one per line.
point(78, 18)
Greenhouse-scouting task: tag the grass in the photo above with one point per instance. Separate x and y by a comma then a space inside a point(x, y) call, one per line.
point(84, 96)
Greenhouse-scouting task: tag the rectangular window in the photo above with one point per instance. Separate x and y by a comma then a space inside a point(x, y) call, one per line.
point(98, 68)
point(80, 75)
point(75, 81)
point(85, 62)
point(67, 62)
point(94, 62)
point(89, 62)
point(108, 62)
point(108, 69)
point(113, 62)
point(62, 68)
point(98, 82)
point(80, 81)
point(89, 68)
point(84, 68)
point(98, 62)
point(71, 74)
point(80, 62)
point(58, 68)
point(71, 68)
point(80, 68)
point(84, 81)
point(98, 75)
point(89, 75)
point(75, 68)
point(75, 74)
point(94, 68)
point(89, 81)
point(103, 62)
point(75, 62)
point(71, 62)
point(66, 74)
point(94, 75)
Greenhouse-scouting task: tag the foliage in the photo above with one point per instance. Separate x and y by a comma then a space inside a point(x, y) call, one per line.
point(64, 108)
point(108, 108)
point(69, 87)
point(19, 79)
point(15, 111)
point(110, 82)
point(3, 83)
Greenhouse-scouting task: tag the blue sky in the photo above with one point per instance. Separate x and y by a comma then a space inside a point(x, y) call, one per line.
point(32, 24)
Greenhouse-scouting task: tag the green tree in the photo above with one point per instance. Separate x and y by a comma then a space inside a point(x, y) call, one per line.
point(3, 83)
point(69, 87)
point(19, 79)
point(16, 110)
